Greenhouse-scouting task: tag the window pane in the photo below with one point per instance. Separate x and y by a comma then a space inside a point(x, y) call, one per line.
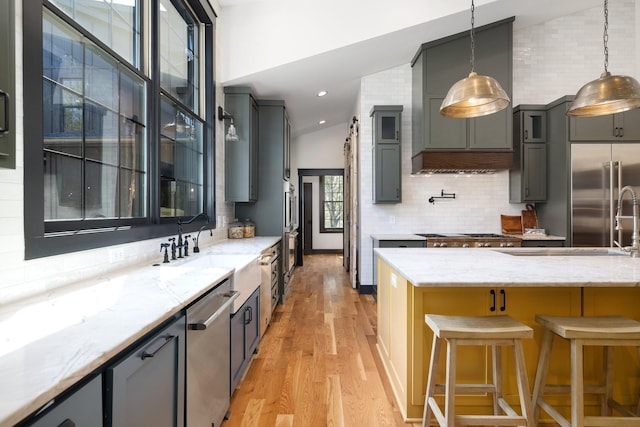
point(62, 119)
point(132, 191)
point(62, 187)
point(179, 55)
point(114, 22)
point(332, 202)
point(181, 162)
point(133, 97)
point(101, 134)
point(133, 145)
point(101, 77)
point(100, 190)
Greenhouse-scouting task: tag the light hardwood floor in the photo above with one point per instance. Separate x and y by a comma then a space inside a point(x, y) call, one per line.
point(317, 363)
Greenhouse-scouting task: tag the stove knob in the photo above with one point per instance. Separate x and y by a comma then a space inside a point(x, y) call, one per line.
point(509, 245)
point(503, 245)
point(465, 245)
point(487, 245)
point(436, 245)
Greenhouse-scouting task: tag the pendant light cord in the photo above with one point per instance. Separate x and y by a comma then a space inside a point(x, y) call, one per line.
point(473, 40)
point(605, 36)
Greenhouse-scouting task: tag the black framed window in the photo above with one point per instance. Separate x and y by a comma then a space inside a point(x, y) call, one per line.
point(117, 140)
point(331, 203)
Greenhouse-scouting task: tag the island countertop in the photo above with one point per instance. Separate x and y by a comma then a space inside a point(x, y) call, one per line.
point(504, 267)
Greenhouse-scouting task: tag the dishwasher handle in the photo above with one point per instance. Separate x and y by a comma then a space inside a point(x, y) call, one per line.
point(202, 325)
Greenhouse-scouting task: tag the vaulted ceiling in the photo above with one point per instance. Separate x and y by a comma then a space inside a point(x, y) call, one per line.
point(291, 49)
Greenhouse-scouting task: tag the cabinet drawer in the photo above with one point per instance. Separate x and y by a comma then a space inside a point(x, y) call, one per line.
point(82, 408)
point(402, 243)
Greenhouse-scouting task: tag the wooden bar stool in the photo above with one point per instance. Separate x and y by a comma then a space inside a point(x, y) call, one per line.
point(477, 330)
point(608, 332)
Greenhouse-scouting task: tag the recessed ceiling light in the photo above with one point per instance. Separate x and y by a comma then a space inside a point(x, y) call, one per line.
point(321, 122)
point(322, 93)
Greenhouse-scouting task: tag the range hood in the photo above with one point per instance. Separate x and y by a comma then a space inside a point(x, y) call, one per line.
point(458, 162)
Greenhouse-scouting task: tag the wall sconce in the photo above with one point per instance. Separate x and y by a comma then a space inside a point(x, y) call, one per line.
point(231, 135)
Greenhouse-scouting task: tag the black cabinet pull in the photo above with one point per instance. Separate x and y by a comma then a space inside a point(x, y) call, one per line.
point(67, 423)
point(504, 300)
point(249, 311)
point(145, 354)
point(493, 294)
point(526, 134)
point(7, 107)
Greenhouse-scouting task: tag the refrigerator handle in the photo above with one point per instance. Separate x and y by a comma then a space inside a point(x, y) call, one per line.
point(614, 188)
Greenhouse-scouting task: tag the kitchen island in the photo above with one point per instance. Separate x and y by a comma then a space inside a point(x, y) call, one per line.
point(519, 282)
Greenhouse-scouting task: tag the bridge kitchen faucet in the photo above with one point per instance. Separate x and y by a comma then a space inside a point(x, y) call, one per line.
point(635, 241)
point(180, 243)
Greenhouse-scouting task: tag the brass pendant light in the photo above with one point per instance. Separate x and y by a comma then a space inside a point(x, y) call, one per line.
point(475, 95)
point(608, 94)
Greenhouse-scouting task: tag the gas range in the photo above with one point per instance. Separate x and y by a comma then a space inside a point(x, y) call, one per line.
point(470, 240)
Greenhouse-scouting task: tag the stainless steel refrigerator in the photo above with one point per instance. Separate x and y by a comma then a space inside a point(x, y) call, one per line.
point(598, 172)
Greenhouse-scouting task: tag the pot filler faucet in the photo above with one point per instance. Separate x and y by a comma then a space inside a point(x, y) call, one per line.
point(635, 241)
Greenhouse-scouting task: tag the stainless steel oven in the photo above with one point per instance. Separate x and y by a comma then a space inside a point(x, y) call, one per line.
point(470, 240)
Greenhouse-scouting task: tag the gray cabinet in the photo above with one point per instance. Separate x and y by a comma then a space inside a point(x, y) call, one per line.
point(268, 211)
point(440, 64)
point(387, 167)
point(83, 408)
point(241, 157)
point(245, 336)
point(613, 127)
point(7, 85)
point(542, 243)
point(528, 174)
point(146, 387)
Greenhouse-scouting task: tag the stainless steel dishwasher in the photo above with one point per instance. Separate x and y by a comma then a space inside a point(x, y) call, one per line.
point(208, 360)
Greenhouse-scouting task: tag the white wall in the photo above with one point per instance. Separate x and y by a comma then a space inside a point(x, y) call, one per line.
point(550, 60)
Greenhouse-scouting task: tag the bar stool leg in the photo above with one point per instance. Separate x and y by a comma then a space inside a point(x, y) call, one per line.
point(450, 387)
point(431, 379)
point(608, 380)
point(497, 377)
point(523, 383)
point(577, 383)
point(541, 371)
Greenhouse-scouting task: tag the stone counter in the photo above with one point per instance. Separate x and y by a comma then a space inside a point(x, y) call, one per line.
point(54, 339)
point(496, 267)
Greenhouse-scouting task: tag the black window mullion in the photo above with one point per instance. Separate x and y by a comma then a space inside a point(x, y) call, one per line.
point(154, 113)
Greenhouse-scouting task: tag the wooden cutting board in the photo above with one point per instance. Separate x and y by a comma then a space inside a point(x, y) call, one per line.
point(511, 224)
point(529, 217)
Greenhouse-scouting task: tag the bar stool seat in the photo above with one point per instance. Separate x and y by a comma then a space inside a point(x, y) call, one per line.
point(605, 331)
point(480, 331)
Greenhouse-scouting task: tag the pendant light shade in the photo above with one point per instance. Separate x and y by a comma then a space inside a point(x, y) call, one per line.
point(608, 94)
point(475, 95)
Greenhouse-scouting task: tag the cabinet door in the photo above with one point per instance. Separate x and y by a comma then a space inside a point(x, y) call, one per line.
point(387, 128)
point(147, 387)
point(443, 132)
point(598, 128)
point(7, 85)
point(82, 409)
point(492, 132)
point(253, 152)
point(387, 174)
point(524, 304)
point(615, 302)
point(534, 185)
point(252, 324)
point(628, 125)
point(237, 348)
point(534, 126)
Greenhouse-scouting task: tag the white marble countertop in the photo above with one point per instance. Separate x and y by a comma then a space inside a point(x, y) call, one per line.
point(53, 340)
point(498, 267)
